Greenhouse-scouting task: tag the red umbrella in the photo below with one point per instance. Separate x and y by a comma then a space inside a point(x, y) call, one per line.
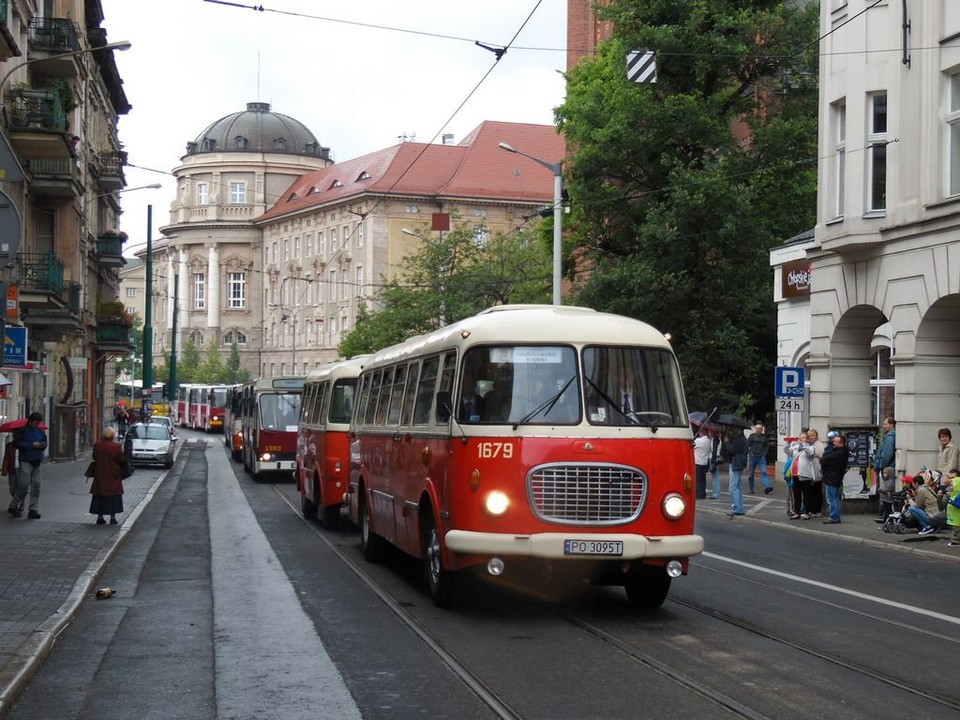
point(12, 425)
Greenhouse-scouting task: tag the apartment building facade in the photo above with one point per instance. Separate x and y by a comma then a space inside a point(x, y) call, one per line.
point(62, 171)
point(877, 326)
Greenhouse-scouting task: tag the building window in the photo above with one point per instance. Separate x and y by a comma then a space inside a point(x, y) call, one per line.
point(131, 292)
point(240, 143)
point(234, 336)
point(131, 310)
point(236, 290)
point(296, 247)
point(480, 235)
point(274, 254)
point(333, 284)
point(280, 144)
point(953, 123)
point(203, 193)
point(321, 248)
point(286, 250)
point(199, 291)
point(238, 193)
point(877, 152)
point(412, 209)
point(360, 281)
point(360, 234)
point(333, 240)
point(309, 252)
point(840, 160)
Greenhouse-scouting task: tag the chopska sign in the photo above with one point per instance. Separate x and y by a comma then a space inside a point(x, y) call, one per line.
point(796, 276)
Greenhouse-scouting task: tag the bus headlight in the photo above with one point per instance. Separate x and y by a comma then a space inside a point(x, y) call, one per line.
point(266, 457)
point(674, 506)
point(496, 503)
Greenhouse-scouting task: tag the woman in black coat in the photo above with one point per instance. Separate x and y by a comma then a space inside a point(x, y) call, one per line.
point(833, 466)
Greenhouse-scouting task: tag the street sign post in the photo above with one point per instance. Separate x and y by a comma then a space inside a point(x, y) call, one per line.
point(790, 382)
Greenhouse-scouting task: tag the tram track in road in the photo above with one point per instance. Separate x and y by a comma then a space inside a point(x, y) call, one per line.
point(487, 696)
point(899, 683)
point(484, 693)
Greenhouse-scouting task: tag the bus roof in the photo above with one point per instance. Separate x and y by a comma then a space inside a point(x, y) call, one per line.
point(529, 324)
point(338, 369)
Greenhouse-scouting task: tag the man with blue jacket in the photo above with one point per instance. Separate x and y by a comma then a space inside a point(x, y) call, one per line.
point(31, 444)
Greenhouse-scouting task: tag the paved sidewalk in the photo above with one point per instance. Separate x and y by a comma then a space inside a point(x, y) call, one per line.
point(860, 527)
point(49, 565)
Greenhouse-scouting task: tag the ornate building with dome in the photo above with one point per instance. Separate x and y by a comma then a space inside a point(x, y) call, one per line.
point(273, 247)
point(207, 266)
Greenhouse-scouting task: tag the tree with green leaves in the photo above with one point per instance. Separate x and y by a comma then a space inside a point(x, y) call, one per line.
point(212, 369)
point(233, 373)
point(188, 364)
point(448, 278)
point(681, 188)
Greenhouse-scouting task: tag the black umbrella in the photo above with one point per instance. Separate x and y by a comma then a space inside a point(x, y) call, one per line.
point(731, 421)
point(700, 419)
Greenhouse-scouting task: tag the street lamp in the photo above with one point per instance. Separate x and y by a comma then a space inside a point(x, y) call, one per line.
point(121, 45)
point(557, 170)
point(151, 186)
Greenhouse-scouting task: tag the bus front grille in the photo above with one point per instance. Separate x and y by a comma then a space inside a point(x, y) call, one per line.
point(586, 494)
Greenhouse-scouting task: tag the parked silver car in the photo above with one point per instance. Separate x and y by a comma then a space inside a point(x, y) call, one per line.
point(166, 422)
point(149, 444)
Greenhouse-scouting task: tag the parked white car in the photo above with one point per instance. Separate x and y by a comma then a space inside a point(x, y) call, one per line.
point(149, 444)
point(166, 422)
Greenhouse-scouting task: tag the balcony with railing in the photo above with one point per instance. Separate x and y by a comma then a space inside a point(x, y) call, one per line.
point(37, 123)
point(53, 35)
point(40, 274)
point(55, 177)
point(114, 328)
point(108, 169)
point(110, 248)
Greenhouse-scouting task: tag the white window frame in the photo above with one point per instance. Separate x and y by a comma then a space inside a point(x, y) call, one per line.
point(238, 192)
point(333, 285)
point(877, 127)
point(361, 290)
point(839, 112)
point(203, 193)
point(236, 290)
point(953, 133)
point(199, 291)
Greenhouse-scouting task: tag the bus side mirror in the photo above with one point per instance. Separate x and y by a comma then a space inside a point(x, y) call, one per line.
point(444, 406)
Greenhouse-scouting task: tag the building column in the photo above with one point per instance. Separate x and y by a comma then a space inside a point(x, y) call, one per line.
point(213, 289)
point(186, 299)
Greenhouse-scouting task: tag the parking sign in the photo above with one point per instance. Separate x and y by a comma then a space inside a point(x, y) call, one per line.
point(789, 382)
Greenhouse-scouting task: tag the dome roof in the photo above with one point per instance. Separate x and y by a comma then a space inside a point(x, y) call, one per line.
point(257, 129)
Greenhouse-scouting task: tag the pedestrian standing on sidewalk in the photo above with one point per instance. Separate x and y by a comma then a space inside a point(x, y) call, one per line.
point(31, 444)
point(949, 456)
point(953, 512)
point(757, 458)
point(716, 460)
point(107, 486)
point(833, 466)
point(701, 462)
point(10, 466)
point(803, 453)
point(735, 448)
point(885, 457)
point(816, 489)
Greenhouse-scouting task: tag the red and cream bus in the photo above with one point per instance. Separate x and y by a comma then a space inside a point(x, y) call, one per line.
point(323, 450)
point(528, 435)
point(270, 409)
point(232, 424)
point(212, 408)
point(197, 407)
point(180, 408)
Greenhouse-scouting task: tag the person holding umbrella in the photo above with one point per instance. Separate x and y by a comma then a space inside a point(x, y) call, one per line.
point(31, 444)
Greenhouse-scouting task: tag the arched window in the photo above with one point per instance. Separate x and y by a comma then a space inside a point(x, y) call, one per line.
point(280, 144)
point(240, 142)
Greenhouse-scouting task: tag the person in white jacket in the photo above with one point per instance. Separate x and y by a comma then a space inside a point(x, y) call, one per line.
point(807, 470)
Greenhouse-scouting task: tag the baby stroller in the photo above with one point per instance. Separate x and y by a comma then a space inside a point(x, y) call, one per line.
point(894, 522)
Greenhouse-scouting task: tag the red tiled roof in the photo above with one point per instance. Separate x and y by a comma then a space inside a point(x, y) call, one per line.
point(474, 168)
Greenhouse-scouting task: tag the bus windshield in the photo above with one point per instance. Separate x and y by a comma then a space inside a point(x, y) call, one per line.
point(341, 401)
point(632, 385)
point(218, 397)
point(280, 411)
point(535, 384)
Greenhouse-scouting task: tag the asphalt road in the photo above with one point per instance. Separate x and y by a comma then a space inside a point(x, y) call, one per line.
point(229, 605)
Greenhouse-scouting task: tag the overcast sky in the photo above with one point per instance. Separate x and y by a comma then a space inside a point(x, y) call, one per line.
point(356, 86)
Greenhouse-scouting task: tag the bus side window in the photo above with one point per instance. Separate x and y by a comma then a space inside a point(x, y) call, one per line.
point(445, 409)
point(428, 381)
point(374, 396)
point(410, 394)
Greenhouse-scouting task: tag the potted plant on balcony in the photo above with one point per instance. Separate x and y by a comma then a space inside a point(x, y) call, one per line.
point(113, 313)
point(113, 233)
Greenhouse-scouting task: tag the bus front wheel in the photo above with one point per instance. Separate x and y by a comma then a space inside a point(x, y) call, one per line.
point(439, 580)
point(647, 587)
